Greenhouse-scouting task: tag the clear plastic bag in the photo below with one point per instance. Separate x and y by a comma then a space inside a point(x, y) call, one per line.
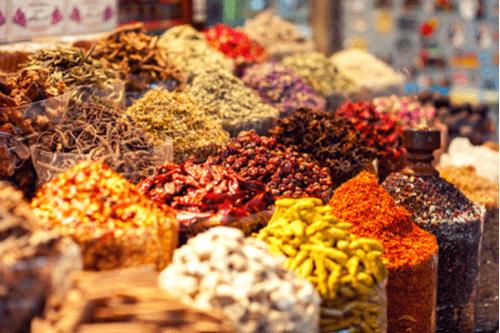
point(47, 164)
point(356, 315)
point(27, 281)
point(110, 94)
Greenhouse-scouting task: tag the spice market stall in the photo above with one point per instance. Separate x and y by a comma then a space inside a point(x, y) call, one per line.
point(222, 181)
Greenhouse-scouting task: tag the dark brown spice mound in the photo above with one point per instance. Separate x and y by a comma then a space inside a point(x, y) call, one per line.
point(284, 170)
point(330, 141)
point(139, 59)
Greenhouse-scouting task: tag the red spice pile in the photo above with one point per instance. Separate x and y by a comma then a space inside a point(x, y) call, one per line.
point(235, 44)
point(380, 131)
point(374, 214)
point(411, 251)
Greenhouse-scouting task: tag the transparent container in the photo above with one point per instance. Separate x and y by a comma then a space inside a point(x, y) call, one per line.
point(357, 315)
point(47, 164)
point(110, 93)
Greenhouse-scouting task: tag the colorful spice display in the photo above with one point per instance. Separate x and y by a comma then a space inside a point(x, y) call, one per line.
point(411, 252)
point(319, 71)
point(115, 224)
point(222, 269)
point(207, 195)
point(134, 289)
point(192, 52)
point(227, 100)
point(347, 272)
point(439, 207)
point(282, 88)
point(33, 263)
point(380, 131)
point(330, 141)
point(282, 169)
point(164, 114)
point(138, 59)
point(278, 36)
point(235, 44)
point(100, 134)
point(484, 192)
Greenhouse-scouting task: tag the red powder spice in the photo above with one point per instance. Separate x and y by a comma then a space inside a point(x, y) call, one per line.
point(410, 251)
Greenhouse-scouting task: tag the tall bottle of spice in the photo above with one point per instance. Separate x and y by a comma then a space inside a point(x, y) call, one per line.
point(439, 207)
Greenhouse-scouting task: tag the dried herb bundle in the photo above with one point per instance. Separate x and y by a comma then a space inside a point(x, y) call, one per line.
point(105, 135)
point(191, 50)
point(139, 59)
point(72, 66)
point(330, 141)
point(175, 115)
point(281, 87)
point(227, 100)
point(75, 68)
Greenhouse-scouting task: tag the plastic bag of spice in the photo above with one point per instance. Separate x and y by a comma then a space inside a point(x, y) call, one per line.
point(48, 164)
point(110, 93)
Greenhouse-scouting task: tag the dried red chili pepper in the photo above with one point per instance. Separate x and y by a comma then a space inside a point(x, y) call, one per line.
point(235, 44)
point(207, 195)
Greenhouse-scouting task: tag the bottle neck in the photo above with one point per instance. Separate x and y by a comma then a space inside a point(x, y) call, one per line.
point(420, 163)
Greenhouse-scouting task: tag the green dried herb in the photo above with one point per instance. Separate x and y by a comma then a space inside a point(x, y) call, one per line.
point(169, 114)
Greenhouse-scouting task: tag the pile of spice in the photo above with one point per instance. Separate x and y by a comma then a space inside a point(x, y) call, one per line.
point(33, 263)
point(75, 68)
point(278, 36)
point(476, 188)
point(348, 272)
point(380, 131)
point(221, 269)
point(100, 134)
point(330, 141)
point(22, 118)
point(484, 192)
point(462, 153)
point(192, 52)
point(97, 302)
point(439, 207)
point(318, 70)
point(106, 215)
point(281, 168)
point(207, 195)
point(227, 100)
point(166, 114)
point(235, 44)
point(410, 251)
point(281, 87)
point(365, 70)
point(139, 59)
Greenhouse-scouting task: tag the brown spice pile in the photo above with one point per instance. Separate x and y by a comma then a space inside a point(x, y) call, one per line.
point(330, 141)
point(139, 59)
point(108, 217)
